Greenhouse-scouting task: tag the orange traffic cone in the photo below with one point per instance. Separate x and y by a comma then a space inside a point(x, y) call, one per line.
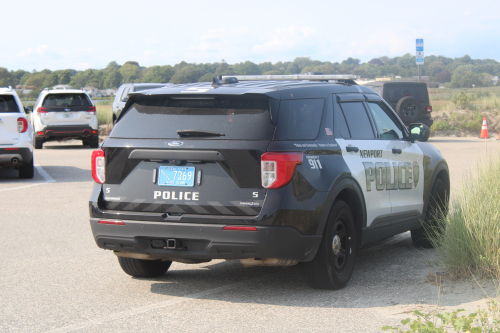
point(484, 130)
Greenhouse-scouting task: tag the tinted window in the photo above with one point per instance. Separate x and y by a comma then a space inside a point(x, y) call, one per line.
point(387, 127)
point(395, 93)
point(66, 100)
point(357, 120)
point(304, 118)
point(8, 104)
point(243, 118)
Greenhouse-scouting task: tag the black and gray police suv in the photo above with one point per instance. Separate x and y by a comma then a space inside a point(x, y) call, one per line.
point(273, 173)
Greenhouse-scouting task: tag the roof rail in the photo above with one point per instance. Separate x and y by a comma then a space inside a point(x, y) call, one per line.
point(295, 77)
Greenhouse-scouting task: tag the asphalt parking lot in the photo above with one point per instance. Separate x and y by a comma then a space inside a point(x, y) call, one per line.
point(55, 279)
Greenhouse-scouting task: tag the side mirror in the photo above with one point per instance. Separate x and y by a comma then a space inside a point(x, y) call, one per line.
point(28, 109)
point(419, 132)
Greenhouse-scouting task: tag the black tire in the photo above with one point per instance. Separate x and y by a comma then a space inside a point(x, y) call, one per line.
point(85, 142)
point(27, 170)
point(38, 143)
point(94, 141)
point(333, 264)
point(144, 268)
point(438, 204)
point(408, 109)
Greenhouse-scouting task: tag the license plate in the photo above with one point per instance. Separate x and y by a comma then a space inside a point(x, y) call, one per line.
point(176, 176)
point(67, 115)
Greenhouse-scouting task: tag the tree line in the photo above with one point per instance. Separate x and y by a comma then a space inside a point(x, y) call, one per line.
point(455, 72)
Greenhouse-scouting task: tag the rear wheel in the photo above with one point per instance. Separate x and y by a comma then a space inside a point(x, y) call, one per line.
point(144, 268)
point(94, 141)
point(334, 263)
point(27, 170)
point(437, 206)
point(38, 143)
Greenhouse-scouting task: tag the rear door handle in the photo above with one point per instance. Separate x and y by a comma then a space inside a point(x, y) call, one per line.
point(351, 149)
point(396, 151)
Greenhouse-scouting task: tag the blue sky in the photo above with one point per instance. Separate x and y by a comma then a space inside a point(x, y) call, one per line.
point(90, 34)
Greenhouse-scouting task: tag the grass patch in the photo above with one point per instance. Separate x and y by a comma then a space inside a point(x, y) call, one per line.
point(104, 112)
point(484, 320)
point(470, 243)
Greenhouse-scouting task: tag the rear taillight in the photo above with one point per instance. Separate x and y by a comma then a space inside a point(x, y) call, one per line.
point(22, 125)
point(429, 108)
point(41, 110)
point(277, 168)
point(98, 166)
point(91, 110)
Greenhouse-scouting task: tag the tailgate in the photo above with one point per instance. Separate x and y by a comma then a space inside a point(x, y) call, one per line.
point(175, 181)
point(8, 128)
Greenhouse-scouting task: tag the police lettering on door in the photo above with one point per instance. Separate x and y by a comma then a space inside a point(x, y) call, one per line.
point(390, 175)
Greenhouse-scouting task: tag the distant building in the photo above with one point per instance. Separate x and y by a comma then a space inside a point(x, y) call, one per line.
point(62, 86)
point(494, 80)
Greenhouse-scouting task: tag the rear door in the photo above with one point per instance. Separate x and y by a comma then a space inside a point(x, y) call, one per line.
point(67, 109)
point(188, 155)
point(9, 112)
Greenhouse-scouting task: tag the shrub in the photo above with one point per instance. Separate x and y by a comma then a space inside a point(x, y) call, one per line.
point(470, 242)
point(462, 100)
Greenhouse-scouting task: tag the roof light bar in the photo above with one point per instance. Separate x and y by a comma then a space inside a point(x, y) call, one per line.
point(293, 77)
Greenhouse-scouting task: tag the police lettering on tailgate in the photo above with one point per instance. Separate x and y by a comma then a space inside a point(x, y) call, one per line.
point(406, 175)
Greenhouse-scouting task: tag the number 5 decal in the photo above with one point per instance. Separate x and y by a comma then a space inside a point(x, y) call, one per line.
point(255, 194)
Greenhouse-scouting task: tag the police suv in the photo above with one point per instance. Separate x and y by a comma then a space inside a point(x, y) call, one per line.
point(272, 170)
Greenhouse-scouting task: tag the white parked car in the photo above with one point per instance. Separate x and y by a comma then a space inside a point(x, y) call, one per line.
point(65, 114)
point(16, 135)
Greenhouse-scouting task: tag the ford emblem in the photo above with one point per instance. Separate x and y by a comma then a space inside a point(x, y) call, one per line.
point(175, 143)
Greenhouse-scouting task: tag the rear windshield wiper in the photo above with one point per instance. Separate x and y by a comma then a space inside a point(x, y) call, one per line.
point(199, 133)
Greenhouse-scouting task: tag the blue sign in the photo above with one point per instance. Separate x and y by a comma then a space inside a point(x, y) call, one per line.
point(420, 42)
point(420, 48)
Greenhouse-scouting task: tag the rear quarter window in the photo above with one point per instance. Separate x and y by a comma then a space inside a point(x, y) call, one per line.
point(304, 118)
point(8, 104)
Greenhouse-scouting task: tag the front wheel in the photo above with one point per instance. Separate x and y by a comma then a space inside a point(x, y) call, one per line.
point(334, 263)
point(144, 268)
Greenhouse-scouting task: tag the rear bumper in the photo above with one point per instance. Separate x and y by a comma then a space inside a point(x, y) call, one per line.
point(205, 241)
point(23, 156)
point(66, 131)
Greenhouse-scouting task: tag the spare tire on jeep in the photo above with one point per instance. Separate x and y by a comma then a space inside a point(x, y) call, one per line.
point(408, 109)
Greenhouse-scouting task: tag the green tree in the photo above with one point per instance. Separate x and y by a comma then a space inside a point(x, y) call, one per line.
point(80, 79)
point(51, 80)
point(6, 78)
point(293, 68)
point(65, 76)
point(246, 68)
point(158, 74)
point(463, 77)
point(25, 78)
point(187, 74)
point(407, 61)
point(113, 64)
point(266, 67)
point(207, 77)
point(112, 78)
point(37, 80)
point(130, 72)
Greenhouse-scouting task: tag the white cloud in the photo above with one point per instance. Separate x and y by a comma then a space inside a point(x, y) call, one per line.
point(39, 50)
point(287, 39)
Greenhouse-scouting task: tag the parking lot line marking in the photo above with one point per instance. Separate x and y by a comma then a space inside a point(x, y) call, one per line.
point(44, 174)
point(156, 306)
point(41, 172)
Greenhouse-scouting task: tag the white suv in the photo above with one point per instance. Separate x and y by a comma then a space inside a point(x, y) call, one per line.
point(16, 135)
point(65, 114)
